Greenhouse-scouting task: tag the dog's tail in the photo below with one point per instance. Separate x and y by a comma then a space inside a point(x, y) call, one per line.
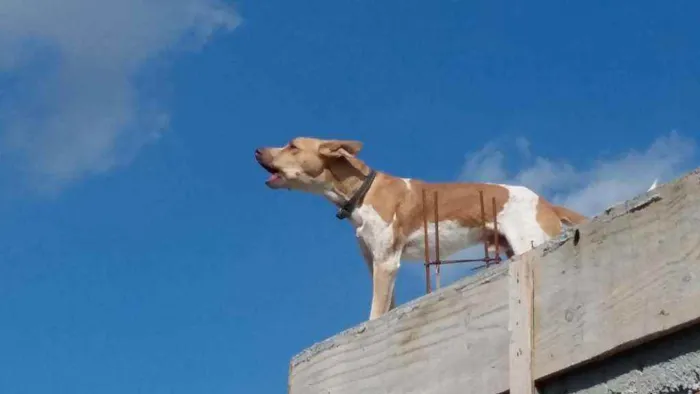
point(653, 185)
point(568, 216)
point(572, 218)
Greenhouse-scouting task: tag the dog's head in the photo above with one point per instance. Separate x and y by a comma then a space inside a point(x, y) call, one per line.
point(309, 164)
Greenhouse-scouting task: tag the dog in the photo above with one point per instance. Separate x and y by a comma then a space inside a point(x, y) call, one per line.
point(387, 211)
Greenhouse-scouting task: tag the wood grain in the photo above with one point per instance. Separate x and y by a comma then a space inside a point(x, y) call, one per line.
point(521, 324)
point(452, 340)
point(634, 275)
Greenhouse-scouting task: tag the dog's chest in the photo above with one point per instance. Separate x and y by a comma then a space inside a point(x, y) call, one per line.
point(376, 233)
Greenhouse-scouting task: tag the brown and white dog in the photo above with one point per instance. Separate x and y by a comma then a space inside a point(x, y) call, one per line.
point(387, 212)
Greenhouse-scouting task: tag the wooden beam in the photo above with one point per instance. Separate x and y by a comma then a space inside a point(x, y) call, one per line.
point(521, 289)
point(634, 275)
point(453, 340)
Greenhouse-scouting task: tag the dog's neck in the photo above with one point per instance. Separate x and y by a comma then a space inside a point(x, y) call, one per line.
point(348, 176)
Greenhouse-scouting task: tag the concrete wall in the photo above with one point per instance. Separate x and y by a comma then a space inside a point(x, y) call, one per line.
point(669, 365)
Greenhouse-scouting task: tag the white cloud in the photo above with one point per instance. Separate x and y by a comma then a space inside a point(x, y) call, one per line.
point(486, 164)
point(588, 190)
point(71, 105)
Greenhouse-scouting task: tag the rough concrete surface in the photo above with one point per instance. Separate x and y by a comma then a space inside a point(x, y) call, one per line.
point(668, 365)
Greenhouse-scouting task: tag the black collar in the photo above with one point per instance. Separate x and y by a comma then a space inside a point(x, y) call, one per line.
point(346, 209)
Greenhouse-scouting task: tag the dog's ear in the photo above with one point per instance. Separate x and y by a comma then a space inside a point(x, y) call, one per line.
point(340, 148)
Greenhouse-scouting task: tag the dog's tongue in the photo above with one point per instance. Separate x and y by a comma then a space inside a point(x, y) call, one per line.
point(273, 178)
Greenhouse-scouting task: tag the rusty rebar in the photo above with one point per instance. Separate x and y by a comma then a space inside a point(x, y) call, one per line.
point(425, 243)
point(460, 261)
point(487, 259)
point(496, 238)
point(483, 224)
point(437, 241)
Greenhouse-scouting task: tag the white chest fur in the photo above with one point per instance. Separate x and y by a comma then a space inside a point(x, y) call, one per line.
point(376, 233)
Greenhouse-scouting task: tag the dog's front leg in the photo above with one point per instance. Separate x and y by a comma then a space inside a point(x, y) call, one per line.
point(383, 279)
point(369, 260)
point(367, 255)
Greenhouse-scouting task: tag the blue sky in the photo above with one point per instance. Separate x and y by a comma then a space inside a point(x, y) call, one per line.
point(142, 252)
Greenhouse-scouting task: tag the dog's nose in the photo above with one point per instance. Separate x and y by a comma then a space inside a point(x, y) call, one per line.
point(258, 153)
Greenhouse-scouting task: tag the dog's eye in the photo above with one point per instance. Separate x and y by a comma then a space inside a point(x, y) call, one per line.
point(293, 148)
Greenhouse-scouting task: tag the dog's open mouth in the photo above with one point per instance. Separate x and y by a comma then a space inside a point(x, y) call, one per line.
point(274, 180)
point(275, 176)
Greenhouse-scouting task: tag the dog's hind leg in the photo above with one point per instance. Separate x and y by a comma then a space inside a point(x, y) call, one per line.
point(503, 245)
point(518, 220)
point(521, 237)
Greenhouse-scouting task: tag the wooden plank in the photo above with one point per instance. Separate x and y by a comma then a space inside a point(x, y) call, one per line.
point(634, 274)
point(453, 340)
point(520, 324)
